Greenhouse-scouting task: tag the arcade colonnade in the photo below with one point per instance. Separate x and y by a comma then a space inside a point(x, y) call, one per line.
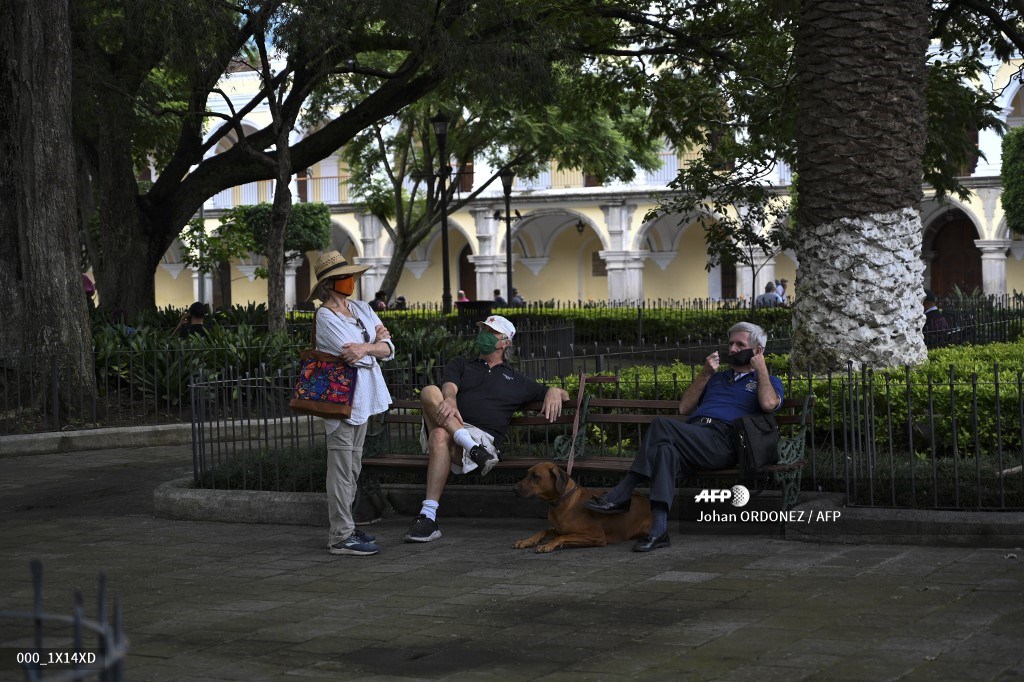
point(594, 244)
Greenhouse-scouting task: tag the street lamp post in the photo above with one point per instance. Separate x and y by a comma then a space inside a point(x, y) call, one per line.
point(507, 176)
point(440, 123)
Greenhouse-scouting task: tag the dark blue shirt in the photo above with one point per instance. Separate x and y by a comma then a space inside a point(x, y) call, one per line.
point(488, 396)
point(729, 397)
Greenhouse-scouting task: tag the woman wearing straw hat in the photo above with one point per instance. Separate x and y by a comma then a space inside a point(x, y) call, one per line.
point(342, 329)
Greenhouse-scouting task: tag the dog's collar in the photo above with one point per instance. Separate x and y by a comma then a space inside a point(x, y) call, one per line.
point(565, 495)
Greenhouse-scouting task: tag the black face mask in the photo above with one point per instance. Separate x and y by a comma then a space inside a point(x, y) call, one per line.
point(741, 358)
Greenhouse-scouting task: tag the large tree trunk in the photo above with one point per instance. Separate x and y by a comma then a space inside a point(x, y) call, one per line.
point(129, 249)
point(46, 315)
point(861, 118)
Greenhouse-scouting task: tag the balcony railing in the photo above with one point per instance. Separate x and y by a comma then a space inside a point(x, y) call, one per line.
point(327, 189)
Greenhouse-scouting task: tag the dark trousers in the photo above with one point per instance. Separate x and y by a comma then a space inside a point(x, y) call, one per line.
point(674, 449)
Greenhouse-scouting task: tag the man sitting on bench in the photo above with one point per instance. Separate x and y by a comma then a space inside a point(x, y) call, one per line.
point(466, 418)
point(672, 449)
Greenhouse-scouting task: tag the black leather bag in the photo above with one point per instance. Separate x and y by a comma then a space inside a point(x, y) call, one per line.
point(756, 441)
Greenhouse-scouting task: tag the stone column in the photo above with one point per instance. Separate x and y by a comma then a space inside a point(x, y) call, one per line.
point(489, 261)
point(490, 275)
point(618, 218)
point(928, 257)
point(625, 275)
point(993, 264)
point(202, 286)
point(370, 231)
point(745, 276)
point(291, 264)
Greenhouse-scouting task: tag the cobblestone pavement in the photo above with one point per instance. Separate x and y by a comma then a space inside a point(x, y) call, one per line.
point(216, 601)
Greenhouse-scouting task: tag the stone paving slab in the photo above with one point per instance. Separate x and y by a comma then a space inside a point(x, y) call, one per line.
point(228, 601)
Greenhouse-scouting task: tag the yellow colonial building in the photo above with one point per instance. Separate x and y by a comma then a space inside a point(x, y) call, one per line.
point(573, 242)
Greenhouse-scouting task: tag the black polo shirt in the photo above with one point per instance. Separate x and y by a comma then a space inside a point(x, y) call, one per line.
point(488, 396)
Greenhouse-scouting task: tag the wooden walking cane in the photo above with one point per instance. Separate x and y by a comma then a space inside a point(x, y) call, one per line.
point(575, 424)
point(579, 406)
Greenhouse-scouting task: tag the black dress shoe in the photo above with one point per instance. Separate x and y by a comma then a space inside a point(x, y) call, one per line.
point(601, 505)
point(651, 543)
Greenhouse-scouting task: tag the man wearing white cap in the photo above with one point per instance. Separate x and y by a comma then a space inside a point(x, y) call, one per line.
point(465, 419)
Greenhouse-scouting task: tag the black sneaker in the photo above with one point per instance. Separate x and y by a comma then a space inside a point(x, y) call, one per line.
point(353, 545)
point(484, 459)
point(423, 530)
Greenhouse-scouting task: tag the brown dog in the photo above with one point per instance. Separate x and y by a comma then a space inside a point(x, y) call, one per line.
point(572, 524)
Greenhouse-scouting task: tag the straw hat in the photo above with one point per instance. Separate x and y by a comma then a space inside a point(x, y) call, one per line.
point(333, 265)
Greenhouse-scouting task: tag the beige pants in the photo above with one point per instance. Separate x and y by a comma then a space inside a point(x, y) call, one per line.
point(344, 462)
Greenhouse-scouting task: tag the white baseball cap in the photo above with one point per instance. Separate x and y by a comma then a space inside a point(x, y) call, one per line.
point(499, 324)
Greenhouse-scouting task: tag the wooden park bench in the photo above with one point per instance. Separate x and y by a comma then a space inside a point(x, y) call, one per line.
point(616, 419)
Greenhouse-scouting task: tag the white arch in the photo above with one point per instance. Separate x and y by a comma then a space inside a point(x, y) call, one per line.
point(427, 245)
point(662, 222)
point(341, 234)
point(935, 216)
point(526, 230)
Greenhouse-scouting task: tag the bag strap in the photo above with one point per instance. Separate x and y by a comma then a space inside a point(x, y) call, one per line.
point(312, 335)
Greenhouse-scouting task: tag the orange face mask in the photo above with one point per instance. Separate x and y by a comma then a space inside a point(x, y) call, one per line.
point(345, 286)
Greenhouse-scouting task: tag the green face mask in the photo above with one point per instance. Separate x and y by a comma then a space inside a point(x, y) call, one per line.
point(486, 343)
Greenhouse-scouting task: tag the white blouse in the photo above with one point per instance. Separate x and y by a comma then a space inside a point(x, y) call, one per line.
point(332, 332)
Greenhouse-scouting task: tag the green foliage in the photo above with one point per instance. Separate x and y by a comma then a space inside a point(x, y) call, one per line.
point(1012, 173)
point(309, 225)
point(759, 228)
point(394, 162)
point(207, 250)
point(161, 366)
point(956, 106)
point(970, 389)
point(660, 325)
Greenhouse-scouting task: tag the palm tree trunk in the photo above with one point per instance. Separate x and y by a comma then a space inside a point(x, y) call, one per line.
point(861, 135)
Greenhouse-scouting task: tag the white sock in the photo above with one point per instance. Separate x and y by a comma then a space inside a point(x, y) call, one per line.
point(464, 439)
point(429, 509)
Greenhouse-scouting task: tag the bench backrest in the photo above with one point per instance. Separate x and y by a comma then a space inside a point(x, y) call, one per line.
point(631, 411)
point(621, 411)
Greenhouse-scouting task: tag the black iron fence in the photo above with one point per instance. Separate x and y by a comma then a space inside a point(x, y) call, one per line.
point(63, 647)
point(897, 439)
point(147, 381)
point(140, 384)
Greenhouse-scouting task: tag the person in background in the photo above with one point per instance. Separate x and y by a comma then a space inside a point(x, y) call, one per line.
point(769, 299)
point(379, 302)
point(343, 327)
point(195, 317)
point(936, 328)
point(498, 299)
point(517, 300)
point(781, 287)
point(90, 291)
point(462, 297)
point(399, 303)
